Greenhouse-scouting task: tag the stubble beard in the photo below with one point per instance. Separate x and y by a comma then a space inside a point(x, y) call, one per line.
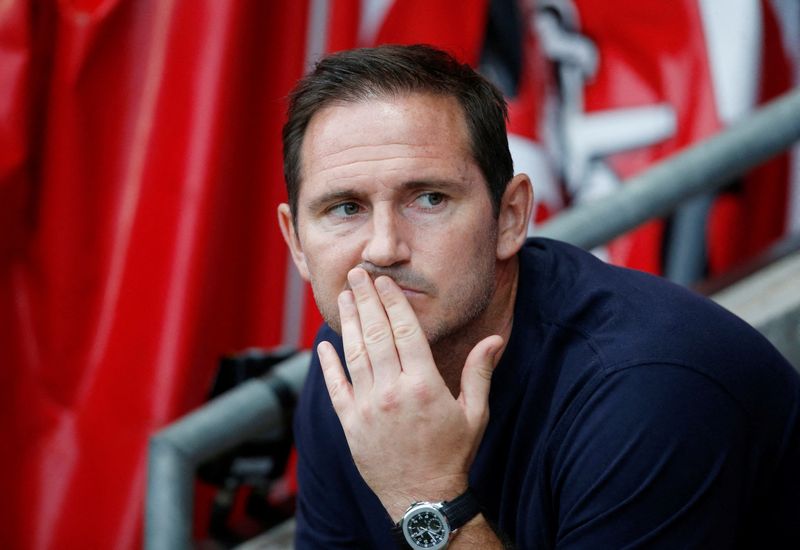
point(469, 304)
point(466, 309)
point(461, 318)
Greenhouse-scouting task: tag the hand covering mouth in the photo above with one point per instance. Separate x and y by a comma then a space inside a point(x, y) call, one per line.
point(408, 281)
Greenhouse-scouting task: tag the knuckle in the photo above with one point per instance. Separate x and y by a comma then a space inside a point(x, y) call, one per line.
point(365, 412)
point(354, 354)
point(406, 331)
point(337, 391)
point(422, 392)
point(388, 400)
point(484, 374)
point(361, 297)
point(376, 333)
point(391, 300)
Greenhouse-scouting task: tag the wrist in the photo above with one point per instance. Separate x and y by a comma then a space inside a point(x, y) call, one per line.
point(440, 490)
point(433, 524)
point(473, 530)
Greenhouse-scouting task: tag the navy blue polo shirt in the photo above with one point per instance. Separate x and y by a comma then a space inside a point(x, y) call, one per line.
point(626, 411)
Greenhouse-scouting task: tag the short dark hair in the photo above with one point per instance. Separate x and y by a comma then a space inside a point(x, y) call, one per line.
point(392, 70)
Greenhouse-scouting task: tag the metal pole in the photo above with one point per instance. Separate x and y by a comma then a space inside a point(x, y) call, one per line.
point(686, 249)
point(168, 509)
point(703, 167)
point(232, 418)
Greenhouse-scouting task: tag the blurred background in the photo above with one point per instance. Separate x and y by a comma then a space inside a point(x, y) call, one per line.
point(141, 168)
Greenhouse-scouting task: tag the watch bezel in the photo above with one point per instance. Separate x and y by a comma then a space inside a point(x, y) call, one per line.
point(436, 509)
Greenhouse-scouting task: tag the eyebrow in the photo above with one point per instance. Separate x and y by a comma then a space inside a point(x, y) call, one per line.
point(350, 193)
point(332, 197)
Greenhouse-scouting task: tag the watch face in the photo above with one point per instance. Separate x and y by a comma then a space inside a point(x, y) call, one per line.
point(425, 528)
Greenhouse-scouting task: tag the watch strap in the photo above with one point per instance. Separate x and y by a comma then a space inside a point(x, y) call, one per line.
point(461, 509)
point(398, 536)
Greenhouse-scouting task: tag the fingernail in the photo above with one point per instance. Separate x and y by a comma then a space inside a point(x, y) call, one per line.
point(498, 353)
point(495, 351)
point(357, 277)
point(323, 349)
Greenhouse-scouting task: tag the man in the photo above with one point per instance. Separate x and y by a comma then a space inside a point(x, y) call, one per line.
point(526, 393)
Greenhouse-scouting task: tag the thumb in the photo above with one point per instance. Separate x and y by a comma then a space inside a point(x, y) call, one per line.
point(476, 378)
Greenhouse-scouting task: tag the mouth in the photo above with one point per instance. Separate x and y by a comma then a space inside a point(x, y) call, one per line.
point(410, 292)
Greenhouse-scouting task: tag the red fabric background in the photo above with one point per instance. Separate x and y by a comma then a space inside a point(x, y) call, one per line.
point(140, 169)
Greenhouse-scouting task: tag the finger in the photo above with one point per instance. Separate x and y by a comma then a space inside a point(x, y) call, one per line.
point(338, 387)
point(375, 328)
point(355, 354)
point(476, 378)
point(409, 338)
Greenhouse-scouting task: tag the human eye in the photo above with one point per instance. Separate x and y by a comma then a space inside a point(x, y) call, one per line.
point(344, 209)
point(430, 200)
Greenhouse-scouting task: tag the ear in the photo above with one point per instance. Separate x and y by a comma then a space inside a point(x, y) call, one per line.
point(289, 232)
point(515, 212)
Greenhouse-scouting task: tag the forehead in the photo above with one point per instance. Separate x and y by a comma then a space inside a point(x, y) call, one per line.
point(380, 132)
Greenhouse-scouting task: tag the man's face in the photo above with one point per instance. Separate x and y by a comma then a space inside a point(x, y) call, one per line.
point(390, 184)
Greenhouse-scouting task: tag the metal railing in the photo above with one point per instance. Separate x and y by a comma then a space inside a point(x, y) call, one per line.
point(703, 167)
point(254, 407)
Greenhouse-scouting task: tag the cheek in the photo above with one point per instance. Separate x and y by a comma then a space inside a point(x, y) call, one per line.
point(457, 244)
point(328, 264)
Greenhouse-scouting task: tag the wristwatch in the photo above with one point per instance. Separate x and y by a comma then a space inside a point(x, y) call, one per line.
point(430, 525)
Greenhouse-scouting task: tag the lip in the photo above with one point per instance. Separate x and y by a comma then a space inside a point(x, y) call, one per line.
point(410, 292)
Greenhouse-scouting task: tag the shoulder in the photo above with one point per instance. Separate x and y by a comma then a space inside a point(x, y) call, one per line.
point(663, 409)
point(624, 317)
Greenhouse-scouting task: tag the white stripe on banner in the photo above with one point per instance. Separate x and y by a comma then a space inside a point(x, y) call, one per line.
point(733, 34)
point(317, 31)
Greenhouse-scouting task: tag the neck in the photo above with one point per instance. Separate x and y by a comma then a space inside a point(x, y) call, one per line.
point(451, 353)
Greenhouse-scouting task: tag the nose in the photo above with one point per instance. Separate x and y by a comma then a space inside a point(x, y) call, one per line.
point(387, 243)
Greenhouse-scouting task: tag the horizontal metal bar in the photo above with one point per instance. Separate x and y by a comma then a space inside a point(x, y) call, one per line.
point(704, 167)
point(232, 418)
